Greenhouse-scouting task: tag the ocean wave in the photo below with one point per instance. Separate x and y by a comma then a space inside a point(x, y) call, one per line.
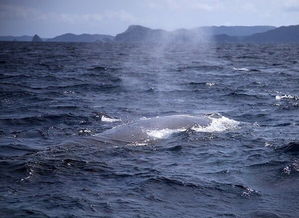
point(102, 68)
point(200, 68)
point(210, 84)
point(281, 97)
point(109, 119)
point(240, 69)
point(43, 118)
point(291, 168)
point(163, 180)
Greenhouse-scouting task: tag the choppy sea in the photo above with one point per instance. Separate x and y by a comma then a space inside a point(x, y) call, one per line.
point(56, 98)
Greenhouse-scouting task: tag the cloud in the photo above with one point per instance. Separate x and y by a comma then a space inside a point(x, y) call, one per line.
point(183, 5)
point(54, 16)
point(11, 12)
point(291, 5)
point(292, 9)
point(120, 16)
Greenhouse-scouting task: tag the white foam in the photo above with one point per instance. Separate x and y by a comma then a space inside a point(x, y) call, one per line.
point(210, 84)
point(280, 97)
point(241, 69)
point(85, 131)
point(218, 124)
point(268, 144)
point(163, 133)
point(109, 120)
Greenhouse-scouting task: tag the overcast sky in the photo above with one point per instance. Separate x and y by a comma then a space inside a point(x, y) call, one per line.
point(49, 18)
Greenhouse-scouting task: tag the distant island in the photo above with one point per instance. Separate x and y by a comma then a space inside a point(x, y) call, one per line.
point(137, 33)
point(36, 38)
point(255, 34)
point(69, 37)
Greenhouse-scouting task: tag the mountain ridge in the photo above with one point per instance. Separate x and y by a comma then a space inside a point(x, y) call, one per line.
point(280, 34)
point(84, 37)
point(237, 34)
point(138, 33)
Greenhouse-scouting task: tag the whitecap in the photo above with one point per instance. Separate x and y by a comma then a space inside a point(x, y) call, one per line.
point(210, 84)
point(85, 131)
point(280, 97)
point(241, 69)
point(109, 119)
point(268, 144)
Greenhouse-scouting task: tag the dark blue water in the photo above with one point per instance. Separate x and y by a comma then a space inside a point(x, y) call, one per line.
point(55, 97)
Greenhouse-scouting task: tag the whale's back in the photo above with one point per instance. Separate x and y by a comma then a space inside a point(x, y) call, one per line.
point(139, 131)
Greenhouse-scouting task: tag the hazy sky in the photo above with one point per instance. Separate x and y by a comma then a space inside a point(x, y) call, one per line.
point(53, 17)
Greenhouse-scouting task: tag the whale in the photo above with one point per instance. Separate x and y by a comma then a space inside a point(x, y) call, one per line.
point(142, 130)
